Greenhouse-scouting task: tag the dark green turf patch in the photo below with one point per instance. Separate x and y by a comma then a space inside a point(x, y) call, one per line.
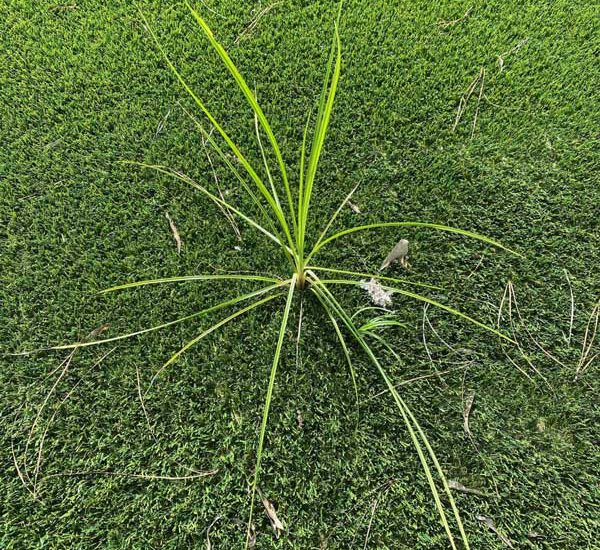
point(82, 88)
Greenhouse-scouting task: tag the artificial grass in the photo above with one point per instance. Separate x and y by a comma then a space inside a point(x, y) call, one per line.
point(83, 88)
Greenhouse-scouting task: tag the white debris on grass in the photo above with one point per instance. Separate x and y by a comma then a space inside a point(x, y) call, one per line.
point(379, 296)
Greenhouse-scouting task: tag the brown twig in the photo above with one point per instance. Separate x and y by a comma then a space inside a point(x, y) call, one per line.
point(447, 24)
point(511, 51)
point(468, 405)
point(588, 342)
point(255, 22)
point(38, 464)
point(464, 100)
point(175, 232)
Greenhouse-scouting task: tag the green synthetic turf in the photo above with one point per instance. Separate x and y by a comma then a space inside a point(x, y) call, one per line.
point(82, 87)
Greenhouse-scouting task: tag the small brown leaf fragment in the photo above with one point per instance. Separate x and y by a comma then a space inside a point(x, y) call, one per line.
point(398, 253)
point(96, 332)
point(466, 412)
point(276, 524)
point(458, 486)
point(354, 207)
point(176, 235)
point(492, 527)
point(534, 535)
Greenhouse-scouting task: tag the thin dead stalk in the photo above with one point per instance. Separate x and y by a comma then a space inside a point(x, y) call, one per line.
point(448, 24)
point(175, 232)
point(40, 452)
point(475, 268)
point(381, 489)
point(515, 49)
point(572, 317)
point(415, 379)
point(473, 126)
point(160, 126)
point(228, 215)
point(38, 416)
point(373, 508)
point(464, 100)
point(425, 343)
point(19, 473)
point(148, 477)
point(498, 323)
point(141, 398)
point(531, 337)
point(589, 338)
point(468, 405)
point(208, 543)
point(253, 24)
point(211, 9)
point(433, 329)
point(51, 420)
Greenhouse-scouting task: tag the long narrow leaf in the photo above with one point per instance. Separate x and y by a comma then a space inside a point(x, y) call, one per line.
point(253, 103)
point(206, 311)
point(267, 405)
point(373, 276)
point(251, 172)
point(186, 179)
point(323, 116)
point(437, 226)
point(427, 300)
point(208, 331)
point(264, 159)
point(202, 277)
point(301, 174)
point(408, 418)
